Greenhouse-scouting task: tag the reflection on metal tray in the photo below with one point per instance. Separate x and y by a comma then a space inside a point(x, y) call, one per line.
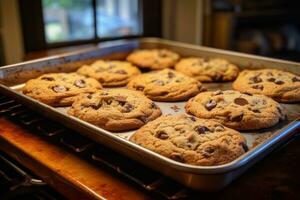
point(198, 177)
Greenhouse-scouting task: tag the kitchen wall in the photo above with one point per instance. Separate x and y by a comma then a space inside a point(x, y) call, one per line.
point(11, 44)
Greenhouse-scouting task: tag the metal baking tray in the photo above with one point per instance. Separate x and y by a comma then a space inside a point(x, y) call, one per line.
point(260, 143)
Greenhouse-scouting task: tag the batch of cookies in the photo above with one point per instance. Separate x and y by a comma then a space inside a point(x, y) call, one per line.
point(206, 135)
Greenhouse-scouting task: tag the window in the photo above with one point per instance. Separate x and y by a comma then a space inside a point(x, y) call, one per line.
point(67, 20)
point(57, 23)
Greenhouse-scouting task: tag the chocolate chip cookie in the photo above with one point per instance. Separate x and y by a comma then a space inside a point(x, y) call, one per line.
point(115, 109)
point(279, 85)
point(153, 58)
point(240, 111)
point(191, 140)
point(166, 85)
point(208, 70)
point(110, 73)
point(59, 89)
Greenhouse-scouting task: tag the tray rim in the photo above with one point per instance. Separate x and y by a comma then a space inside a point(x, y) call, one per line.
point(242, 160)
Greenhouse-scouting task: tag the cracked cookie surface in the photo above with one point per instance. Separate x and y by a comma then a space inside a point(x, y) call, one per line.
point(191, 140)
point(115, 109)
point(236, 110)
point(280, 85)
point(208, 70)
point(153, 58)
point(110, 73)
point(166, 85)
point(59, 89)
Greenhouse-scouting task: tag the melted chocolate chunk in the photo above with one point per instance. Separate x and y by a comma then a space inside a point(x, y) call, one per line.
point(271, 79)
point(139, 88)
point(258, 87)
point(162, 135)
point(246, 93)
point(237, 118)
point(255, 79)
point(241, 101)
point(201, 129)
point(208, 151)
point(210, 104)
point(177, 157)
point(144, 119)
point(120, 71)
point(47, 78)
point(127, 107)
point(80, 83)
point(171, 75)
point(279, 82)
point(192, 118)
point(89, 96)
point(164, 93)
point(96, 106)
point(295, 79)
point(108, 101)
point(256, 111)
point(59, 88)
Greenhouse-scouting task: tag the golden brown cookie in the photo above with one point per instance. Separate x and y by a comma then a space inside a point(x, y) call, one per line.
point(110, 73)
point(166, 85)
point(153, 58)
point(115, 109)
point(279, 85)
point(236, 110)
point(208, 70)
point(59, 89)
point(191, 140)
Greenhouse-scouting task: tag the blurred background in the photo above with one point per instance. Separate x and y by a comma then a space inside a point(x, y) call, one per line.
point(36, 28)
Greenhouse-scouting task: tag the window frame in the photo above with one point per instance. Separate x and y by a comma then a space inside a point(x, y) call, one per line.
point(31, 12)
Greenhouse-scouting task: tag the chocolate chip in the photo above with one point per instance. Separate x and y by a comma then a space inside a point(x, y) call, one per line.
point(271, 79)
point(246, 93)
point(47, 78)
point(192, 118)
point(218, 92)
point(245, 147)
point(59, 88)
point(127, 107)
point(120, 71)
point(241, 101)
point(160, 82)
point(120, 99)
point(177, 157)
point(237, 118)
point(295, 79)
point(144, 119)
point(258, 87)
point(255, 79)
point(279, 82)
point(162, 135)
point(208, 151)
point(96, 106)
point(201, 129)
point(164, 93)
point(178, 81)
point(210, 104)
point(108, 101)
point(219, 128)
point(139, 88)
point(255, 111)
point(89, 96)
point(80, 83)
point(171, 75)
